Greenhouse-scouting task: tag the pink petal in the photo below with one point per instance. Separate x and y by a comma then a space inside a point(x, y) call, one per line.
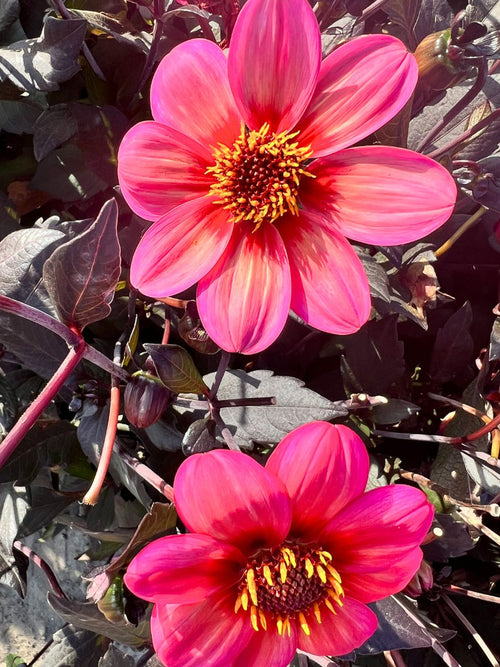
point(377, 532)
point(368, 584)
point(190, 92)
point(324, 468)
point(231, 497)
point(381, 195)
point(180, 248)
point(274, 61)
point(244, 300)
point(159, 168)
point(329, 286)
point(339, 633)
point(208, 634)
point(183, 569)
point(268, 648)
point(361, 86)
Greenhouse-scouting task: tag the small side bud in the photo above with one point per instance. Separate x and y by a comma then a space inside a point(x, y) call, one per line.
point(145, 399)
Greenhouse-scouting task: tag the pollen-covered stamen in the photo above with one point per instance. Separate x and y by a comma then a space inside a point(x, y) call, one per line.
point(293, 582)
point(257, 178)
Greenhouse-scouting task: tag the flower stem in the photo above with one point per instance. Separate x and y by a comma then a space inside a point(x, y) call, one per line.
point(460, 231)
point(450, 588)
point(147, 474)
point(33, 412)
point(92, 495)
point(451, 145)
point(221, 369)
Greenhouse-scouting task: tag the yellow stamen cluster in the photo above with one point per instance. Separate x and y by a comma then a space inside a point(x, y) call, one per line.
point(257, 178)
point(289, 584)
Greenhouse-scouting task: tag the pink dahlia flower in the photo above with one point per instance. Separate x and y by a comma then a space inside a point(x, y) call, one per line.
point(246, 173)
point(278, 558)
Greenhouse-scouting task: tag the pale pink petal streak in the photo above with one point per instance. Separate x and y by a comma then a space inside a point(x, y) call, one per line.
point(339, 634)
point(329, 286)
point(190, 92)
point(244, 300)
point(231, 497)
point(324, 467)
point(274, 60)
point(381, 195)
point(183, 568)
point(361, 86)
point(180, 248)
point(191, 635)
point(159, 168)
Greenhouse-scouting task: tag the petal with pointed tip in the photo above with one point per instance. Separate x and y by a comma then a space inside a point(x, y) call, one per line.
point(329, 285)
point(180, 248)
point(231, 497)
point(244, 300)
point(381, 195)
point(183, 569)
point(274, 60)
point(361, 86)
point(190, 92)
point(324, 468)
point(159, 168)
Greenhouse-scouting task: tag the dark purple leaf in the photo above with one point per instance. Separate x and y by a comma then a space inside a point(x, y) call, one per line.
point(73, 648)
point(42, 64)
point(46, 504)
point(454, 346)
point(404, 13)
point(176, 369)
point(9, 12)
point(18, 116)
point(82, 274)
point(495, 340)
point(52, 128)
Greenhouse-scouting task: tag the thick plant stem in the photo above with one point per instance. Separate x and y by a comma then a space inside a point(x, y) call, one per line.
point(92, 495)
point(51, 389)
point(43, 566)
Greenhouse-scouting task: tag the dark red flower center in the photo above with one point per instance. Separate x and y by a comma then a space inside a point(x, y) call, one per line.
point(291, 583)
point(257, 178)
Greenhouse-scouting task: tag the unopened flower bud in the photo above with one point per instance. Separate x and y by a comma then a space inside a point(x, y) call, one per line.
point(439, 61)
point(422, 581)
point(145, 399)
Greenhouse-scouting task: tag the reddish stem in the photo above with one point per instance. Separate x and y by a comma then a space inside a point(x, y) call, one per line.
point(92, 495)
point(451, 145)
point(42, 565)
point(147, 474)
point(51, 389)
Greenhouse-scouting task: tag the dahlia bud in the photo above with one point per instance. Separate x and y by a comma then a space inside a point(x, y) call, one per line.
point(422, 581)
point(439, 61)
point(145, 399)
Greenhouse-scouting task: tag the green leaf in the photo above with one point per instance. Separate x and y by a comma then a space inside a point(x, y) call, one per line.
point(176, 369)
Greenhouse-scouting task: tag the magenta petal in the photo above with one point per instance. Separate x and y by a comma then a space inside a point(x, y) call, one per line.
point(159, 168)
point(231, 497)
point(339, 633)
point(244, 300)
point(208, 634)
point(329, 286)
point(361, 86)
point(183, 569)
point(268, 648)
point(382, 195)
point(274, 61)
point(324, 468)
point(368, 584)
point(190, 92)
point(180, 248)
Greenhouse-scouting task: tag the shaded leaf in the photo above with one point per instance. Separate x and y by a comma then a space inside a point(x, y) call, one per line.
point(176, 369)
point(377, 277)
point(52, 128)
point(454, 542)
point(453, 347)
point(394, 411)
point(72, 648)
point(485, 476)
point(8, 407)
point(13, 507)
point(199, 437)
point(86, 615)
point(404, 13)
point(42, 64)
point(494, 352)
point(18, 116)
point(295, 405)
point(81, 275)
point(159, 521)
point(46, 504)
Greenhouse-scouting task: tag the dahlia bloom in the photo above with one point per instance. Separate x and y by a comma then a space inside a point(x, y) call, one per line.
point(278, 558)
point(246, 173)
